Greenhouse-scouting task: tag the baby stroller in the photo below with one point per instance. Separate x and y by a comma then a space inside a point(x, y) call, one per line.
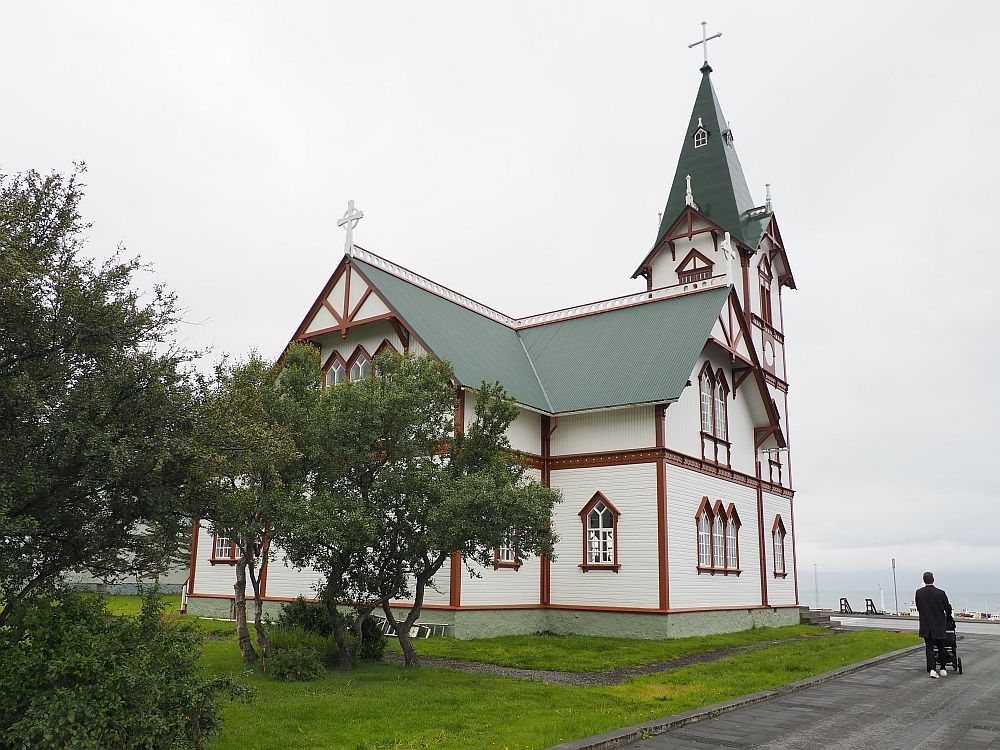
point(952, 659)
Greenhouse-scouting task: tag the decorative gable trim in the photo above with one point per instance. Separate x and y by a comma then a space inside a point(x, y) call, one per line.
point(694, 267)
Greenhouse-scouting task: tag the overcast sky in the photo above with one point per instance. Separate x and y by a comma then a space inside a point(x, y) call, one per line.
point(520, 152)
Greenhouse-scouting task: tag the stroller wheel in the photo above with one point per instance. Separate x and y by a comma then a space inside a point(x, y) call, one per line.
point(960, 665)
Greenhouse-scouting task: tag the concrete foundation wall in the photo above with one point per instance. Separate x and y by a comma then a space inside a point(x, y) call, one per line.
point(489, 623)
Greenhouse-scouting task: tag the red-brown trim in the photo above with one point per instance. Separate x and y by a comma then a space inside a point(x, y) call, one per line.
point(683, 276)
point(231, 560)
point(650, 455)
point(545, 565)
point(401, 333)
point(455, 580)
point(599, 497)
point(347, 298)
point(581, 608)
point(663, 560)
point(357, 307)
point(795, 564)
point(514, 564)
point(333, 311)
point(386, 344)
point(265, 551)
point(344, 328)
point(760, 536)
point(194, 555)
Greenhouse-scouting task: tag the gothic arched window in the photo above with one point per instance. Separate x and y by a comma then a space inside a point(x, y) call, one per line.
point(600, 534)
point(703, 519)
point(700, 137)
point(778, 547)
point(721, 414)
point(360, 364)
point(707, 386)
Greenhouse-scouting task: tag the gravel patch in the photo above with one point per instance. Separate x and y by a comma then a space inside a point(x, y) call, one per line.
point(588, 679)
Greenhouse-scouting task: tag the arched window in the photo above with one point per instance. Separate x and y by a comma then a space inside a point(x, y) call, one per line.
point(360, 364)
point(764, 272)
point(778, 542)
point(732, 539)
point(703, 518)
point(706, 400)
point(600, 534)
point(336, 373)
point(719, 542)
point(721, 415)
point(700, 137)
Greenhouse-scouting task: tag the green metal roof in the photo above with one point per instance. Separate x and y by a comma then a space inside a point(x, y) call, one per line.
point(631, 355)
point(717, 182)
point(480, 349)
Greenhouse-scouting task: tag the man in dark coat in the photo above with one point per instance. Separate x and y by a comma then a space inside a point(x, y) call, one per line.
point(935, 611)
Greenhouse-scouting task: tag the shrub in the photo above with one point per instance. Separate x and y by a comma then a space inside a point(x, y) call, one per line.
point(312, 618)
point(309, 616)
point(75, 676)
point(295, 662)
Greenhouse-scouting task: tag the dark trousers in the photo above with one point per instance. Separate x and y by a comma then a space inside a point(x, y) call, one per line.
point(930, 644)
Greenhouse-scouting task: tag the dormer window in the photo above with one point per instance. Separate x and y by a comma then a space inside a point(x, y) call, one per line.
point(700, 138)
point(727, 138)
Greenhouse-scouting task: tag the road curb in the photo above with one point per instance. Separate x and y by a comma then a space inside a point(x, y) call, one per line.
point(626, 735)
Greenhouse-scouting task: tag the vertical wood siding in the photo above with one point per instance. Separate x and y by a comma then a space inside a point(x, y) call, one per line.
point(610, 430)
point(632, 489)
point(369, 335)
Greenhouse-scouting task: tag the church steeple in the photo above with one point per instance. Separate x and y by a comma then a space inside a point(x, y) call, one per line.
point(708, 157)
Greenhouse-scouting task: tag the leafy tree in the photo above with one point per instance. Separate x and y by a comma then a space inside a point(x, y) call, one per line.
point(256, 423)
point(395, 491)
point(471, 501)
point(74, 676)
point(96, 417)
point(374, 438)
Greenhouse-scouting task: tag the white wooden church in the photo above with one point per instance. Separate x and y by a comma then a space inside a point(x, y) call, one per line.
point(677, 515)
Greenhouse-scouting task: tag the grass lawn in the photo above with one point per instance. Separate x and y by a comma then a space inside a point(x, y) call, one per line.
point(575, 653)
point(386, 707)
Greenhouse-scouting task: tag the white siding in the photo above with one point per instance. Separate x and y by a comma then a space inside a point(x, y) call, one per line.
point(286, 582)
point(632, 489)
point(373, 306)
point(610, 430)
point(779, 590)
point(358, 289)
point(208, 578)
point(688, 588)
point(369, 335)
point(322, 319)
point(525, 432)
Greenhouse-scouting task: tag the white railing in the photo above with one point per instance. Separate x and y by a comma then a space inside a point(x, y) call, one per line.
point(625, 301)
point(533, 320)
point(424, 283)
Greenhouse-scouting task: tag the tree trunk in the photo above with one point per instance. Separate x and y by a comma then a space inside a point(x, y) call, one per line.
point(240, 605)
point(263, 640)
point(410, 658)
point(345, 656)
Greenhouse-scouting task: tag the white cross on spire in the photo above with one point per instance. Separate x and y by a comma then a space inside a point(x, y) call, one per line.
point(705, 39)
point(350, 220)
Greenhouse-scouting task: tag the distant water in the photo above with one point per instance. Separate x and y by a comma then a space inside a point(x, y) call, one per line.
point(960, 600)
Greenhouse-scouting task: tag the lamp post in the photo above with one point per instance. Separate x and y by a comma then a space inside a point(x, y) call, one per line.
point(816, 582)
point(895, 593)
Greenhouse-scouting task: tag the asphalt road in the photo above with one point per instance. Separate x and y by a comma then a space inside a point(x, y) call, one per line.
point(890, 706)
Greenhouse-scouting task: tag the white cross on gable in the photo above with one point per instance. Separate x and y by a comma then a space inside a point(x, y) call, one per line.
point(350, 220)
point(705, 39)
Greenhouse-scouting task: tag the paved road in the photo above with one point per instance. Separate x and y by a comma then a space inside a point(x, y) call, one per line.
point(963, 627)
point(891, 706)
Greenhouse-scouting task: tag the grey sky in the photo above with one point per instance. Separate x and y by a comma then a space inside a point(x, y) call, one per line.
point(519, 152)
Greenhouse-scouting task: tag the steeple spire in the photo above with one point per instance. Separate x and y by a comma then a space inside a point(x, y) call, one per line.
point(709, 158)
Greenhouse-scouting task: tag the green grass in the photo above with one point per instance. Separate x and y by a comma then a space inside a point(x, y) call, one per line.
point(387, 707)
point(575, 653)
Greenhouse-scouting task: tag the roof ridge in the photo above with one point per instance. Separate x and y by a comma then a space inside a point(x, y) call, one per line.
point(534, 371)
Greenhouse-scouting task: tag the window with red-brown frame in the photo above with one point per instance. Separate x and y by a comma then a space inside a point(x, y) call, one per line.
point(334, 371)
point(713, 392)
point(507, 555)
point(223, 550)
point(717, 530)
point(359, 366)
point(765, 276)
point(600, 534)
point(778, 547)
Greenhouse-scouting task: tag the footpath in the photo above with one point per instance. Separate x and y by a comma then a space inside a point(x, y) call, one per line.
point(890, 705)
